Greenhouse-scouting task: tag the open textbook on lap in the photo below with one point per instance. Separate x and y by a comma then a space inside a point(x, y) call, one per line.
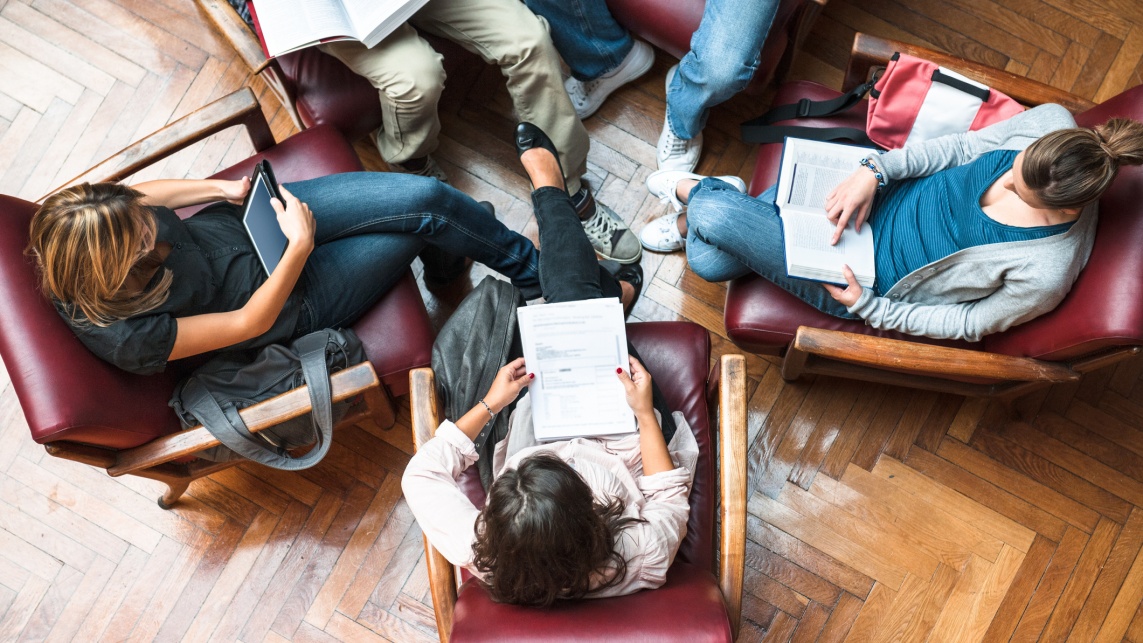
point(287, 25)
point(810, 170)
point(573, 348)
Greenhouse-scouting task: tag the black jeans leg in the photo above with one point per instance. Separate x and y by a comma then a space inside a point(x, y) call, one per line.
point(569, 271)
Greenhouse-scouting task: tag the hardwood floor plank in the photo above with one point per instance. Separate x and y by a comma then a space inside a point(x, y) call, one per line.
point(73, 67)
point(400, 527)
point(1083, 578)
point(808, 557)
point(821, 435)
point(790, 440)
point(776, 593)
point(792, 576)
point(872, 615)
point(1110, 579)
point(869, 408)
point(1034, 493)
point(1020, 592)
point(841, 619)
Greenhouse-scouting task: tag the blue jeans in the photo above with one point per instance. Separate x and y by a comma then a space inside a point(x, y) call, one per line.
point(725, 52)
point(730, 234)
point(586, 35)
point(370, 227)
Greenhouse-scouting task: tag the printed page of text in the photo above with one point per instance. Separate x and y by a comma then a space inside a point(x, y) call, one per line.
point(573, 348)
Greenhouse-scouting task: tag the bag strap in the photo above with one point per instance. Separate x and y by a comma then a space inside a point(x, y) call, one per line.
point(232, 432)
point(760, 129)
point(778, 134)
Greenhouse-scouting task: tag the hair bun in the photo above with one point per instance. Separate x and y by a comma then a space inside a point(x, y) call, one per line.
point(1107, 150)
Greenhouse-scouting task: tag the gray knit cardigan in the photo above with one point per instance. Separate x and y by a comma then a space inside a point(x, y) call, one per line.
point(983, 289)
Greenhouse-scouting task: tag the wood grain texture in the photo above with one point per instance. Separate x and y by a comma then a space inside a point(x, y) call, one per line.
point(875, 513)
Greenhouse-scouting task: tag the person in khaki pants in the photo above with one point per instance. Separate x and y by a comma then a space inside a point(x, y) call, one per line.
point(409, 77)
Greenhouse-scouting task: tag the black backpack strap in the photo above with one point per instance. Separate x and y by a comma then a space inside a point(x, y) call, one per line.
point(232, 432)
point(778, 133)
point(762, 130)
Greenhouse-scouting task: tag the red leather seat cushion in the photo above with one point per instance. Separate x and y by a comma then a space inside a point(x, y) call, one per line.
point(688, 607)
point(669, 25)
point(1103, 309)
point(678, 356)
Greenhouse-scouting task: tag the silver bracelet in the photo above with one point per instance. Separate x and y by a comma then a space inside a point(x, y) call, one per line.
point(491, 415)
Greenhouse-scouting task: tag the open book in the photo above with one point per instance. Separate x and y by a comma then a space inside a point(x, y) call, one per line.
point(288, 25)
point(810, 170)
point(573, 348)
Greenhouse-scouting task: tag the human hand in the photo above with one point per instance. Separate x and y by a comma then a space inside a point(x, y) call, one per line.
point(506, 387)
point(296, 220)
point(637, 385)
point(848, 295)
point(851, 199)
point(235, 191)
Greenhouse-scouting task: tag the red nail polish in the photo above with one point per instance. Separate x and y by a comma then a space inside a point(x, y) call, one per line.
point(531, 376)
point(619, 370)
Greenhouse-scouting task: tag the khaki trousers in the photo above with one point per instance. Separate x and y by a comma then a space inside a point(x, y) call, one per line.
point(409, 76)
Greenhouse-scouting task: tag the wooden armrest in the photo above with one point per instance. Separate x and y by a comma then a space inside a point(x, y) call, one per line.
point(263, 415)
point(425, 408)
point(907, 356)
point(236, 32)
point(238, 108)
point(871, 51)
point(732, 483)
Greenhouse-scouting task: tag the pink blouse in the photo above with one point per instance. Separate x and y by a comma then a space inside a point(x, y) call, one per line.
point(612, 467)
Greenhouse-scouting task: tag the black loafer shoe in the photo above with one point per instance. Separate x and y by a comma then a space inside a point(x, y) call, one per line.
point(528, 136)
point(630, 273)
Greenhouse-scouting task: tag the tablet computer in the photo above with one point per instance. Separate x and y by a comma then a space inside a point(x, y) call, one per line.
point(261, 220)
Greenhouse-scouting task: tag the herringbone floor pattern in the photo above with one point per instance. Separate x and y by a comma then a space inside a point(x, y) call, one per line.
point(877, 513)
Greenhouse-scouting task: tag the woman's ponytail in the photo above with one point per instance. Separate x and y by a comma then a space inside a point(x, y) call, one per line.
point(1071, 168)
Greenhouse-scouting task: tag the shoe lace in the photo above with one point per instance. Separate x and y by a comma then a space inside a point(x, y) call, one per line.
point(580, 90)
point(600, 226)
point(676, 145)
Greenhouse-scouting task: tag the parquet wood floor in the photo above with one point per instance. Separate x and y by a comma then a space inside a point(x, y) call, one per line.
point(877, 513)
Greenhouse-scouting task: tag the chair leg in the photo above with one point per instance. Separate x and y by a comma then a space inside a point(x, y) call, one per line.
point(175, 490)
point(380, 407)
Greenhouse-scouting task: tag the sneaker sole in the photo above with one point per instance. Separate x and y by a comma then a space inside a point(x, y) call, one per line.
point(625, 262)
point(608, 86)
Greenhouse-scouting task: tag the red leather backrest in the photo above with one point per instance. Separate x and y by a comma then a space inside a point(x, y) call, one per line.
point(1105, 306)
point(66, 392)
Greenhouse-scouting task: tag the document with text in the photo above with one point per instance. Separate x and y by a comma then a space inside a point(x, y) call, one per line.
point(573, 348)
point(810, 170)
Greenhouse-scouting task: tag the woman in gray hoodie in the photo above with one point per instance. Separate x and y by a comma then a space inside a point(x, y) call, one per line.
point(973, 232)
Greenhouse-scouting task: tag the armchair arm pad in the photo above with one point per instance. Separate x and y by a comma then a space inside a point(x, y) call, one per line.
point(238, 108)
point(915, 357)
point(871, 51)
point(228, 23)
point(732, 483)
point(345, 384)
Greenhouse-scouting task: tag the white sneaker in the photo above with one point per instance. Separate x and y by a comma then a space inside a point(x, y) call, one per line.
point(677, 153)
point(662, 234)
point(586, 97)
point(664, 184)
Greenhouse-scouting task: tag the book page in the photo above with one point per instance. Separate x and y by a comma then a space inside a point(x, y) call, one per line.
point(291, 24)
point(373, 20)
point(573, 349)
point(812, 169)
point(809, 254)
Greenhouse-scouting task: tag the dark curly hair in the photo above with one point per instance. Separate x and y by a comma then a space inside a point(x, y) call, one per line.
point(543, 537)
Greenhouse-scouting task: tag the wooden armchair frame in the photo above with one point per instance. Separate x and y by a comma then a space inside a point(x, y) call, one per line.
point(235, 31)
point(155, 459)
point(731, 467)
point(907, 363)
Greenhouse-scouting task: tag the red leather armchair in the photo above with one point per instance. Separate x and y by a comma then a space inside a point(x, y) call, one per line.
point(693, 605)
point(1100, 321)
point(84, 409)
point(319, 90)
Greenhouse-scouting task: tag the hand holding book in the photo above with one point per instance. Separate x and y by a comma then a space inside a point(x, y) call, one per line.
point(849, 295)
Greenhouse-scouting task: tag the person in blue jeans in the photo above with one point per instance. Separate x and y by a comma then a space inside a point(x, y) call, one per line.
point(602, 55)
point(141, 287)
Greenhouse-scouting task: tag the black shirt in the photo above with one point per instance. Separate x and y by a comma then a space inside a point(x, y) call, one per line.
point(215, 270)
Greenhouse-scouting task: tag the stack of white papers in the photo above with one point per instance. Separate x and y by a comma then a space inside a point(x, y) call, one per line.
point(573, 349)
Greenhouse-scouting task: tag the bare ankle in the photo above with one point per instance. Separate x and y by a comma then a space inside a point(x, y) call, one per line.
point(542, 168)
point(683, 189)
point(681, 222)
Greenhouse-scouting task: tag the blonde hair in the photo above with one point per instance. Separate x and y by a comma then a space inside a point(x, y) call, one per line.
point(87, 240)
point(1071, 168)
